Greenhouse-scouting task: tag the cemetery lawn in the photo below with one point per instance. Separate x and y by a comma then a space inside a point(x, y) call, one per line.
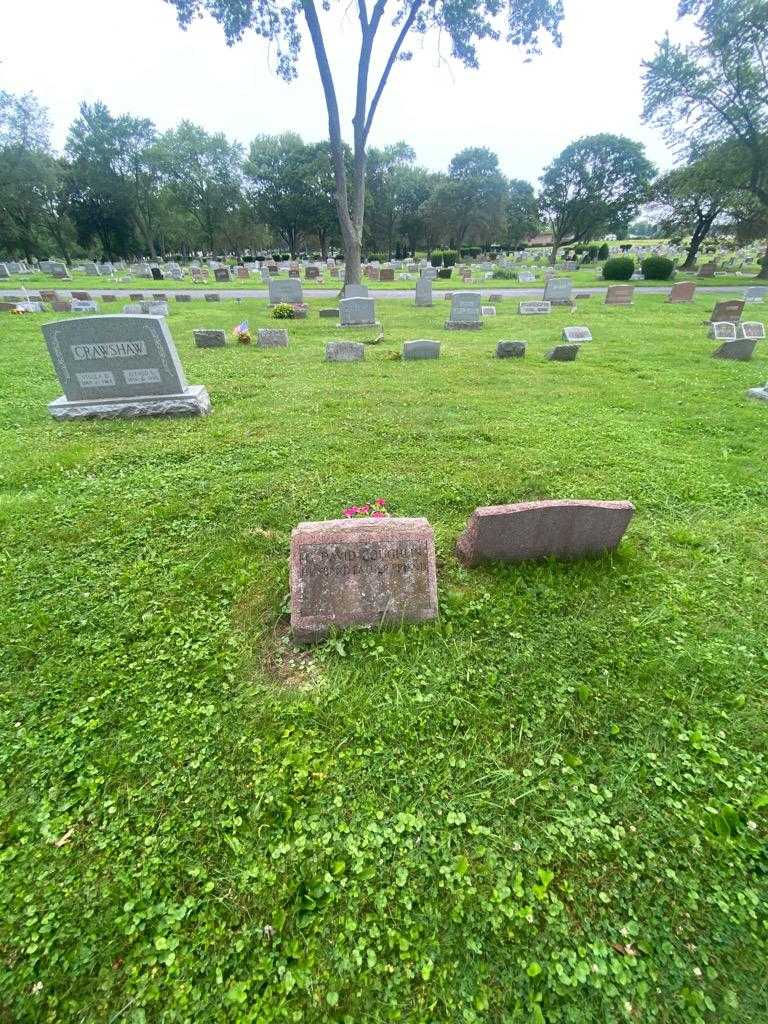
point(550, 806)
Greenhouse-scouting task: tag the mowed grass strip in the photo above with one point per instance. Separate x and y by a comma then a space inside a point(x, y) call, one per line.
point(548, 806)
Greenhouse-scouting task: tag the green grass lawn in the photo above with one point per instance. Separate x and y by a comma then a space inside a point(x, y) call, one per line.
point(585, 277)
point(549, 806)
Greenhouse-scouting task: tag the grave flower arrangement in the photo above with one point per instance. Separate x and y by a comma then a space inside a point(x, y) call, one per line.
point(370, 510)
point(284, 311)
point(242, 334)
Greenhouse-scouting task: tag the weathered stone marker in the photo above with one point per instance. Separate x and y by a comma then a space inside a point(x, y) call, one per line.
point(344, 351)
point(510, 349)
point(563, 353)
point(683, 291)
point(541, 529)
point(558, 291)
point(761, 393)
point(209, 339)
point(361, 572)
point(357, 312)
point(119, 367)
point(619, 295)
point(752, 329)
point(722, 331)
point(740, 350)
point(577, 334)
point(465, 312)
point(424, 292)
point(329, 314)
point(422, 348)
point(272, 337)
point(285, 291)
point(727, 311)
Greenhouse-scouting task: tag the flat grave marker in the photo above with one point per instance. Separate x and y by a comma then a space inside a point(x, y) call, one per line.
point(577, 334)
point(534, 308)
point(344, 351)
point(421, 348)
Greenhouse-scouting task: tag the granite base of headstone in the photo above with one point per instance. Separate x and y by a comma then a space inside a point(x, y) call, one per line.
point(543, 529)
point(119, 367)
point(361, 572)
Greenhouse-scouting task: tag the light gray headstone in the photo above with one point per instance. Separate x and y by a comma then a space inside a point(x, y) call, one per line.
point(119, 366)
point(272, 337)
point(577, 334)
point(510, 349)
point(557, 290)
point(761, 393)
point(155, 308)
point(465, 311)
point(4, 272)
point(752, 329)
point(421, 349)
point(344, 351)
point(84, 306)
point(359, 311)
point(424, 292)
point(355, 291)
point(286, 290)
point(534, 308)
point(753, 294)
point(488, 310)
point(133, 309)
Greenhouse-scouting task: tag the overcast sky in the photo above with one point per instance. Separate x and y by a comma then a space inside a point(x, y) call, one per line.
point(133, 56)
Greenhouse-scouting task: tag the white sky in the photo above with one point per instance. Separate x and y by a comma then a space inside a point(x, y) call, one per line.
point(133, 56)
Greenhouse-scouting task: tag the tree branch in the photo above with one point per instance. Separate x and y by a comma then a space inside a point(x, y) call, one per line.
point(404, 30)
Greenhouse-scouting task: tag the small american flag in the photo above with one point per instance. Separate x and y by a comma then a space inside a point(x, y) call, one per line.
point(241, 328)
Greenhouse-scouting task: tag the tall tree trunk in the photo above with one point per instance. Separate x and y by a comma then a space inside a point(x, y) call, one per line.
point(699, 234)
point(554, 251)
point(763, 274)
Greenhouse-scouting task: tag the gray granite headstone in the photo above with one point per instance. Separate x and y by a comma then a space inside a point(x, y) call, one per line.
point(421, 349)
point(424, 292)
point(534, 308)
point(465, 312)
point(133, 309)
point(4, 272)
point(727, 311)
point(577, 334)
point(183, 297)
point(212, 297)
point(557, 290)
point(563, 353)
point(222, 274)
point(361, 572)
point(740, 350)
point(751, 295)
point(357, 312)
point(761, 393)
point(285, 290)
point(155, 308)
point(488, 310)
point(84, 306)
point(344, 351)
point(119, 367)
point(209, 339)
point(510, 349)
point(272, 337)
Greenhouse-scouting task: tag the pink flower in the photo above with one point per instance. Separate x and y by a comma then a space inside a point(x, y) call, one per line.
point(378, 515)
point(380, 502)
point(351, 511)
point(365, 509)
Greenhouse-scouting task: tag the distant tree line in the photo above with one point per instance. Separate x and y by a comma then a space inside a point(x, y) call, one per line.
point(121, 188)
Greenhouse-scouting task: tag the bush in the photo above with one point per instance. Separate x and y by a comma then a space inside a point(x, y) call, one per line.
point(504, 274)
point(604, 252)
point(283, 311)
point(657, 268)
point(380, 256)
point(449, 257)
point(620, 268)
point(436, 258)
point(445, 272)
point(470, 251)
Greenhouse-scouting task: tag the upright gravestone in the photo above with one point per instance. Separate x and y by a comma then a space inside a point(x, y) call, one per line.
point(4, 272)
point(361, 572)
point(727, 311)
point(355, 291)
point(424, 292)
point(543, 529)
point(59, 270)
point(740, 350)
point(558, 290)
point(387, 274)
point(272, 337)
point(681, 292)
point(707, 270)
point(157, 274)
point(119, 367)
point(753, 294)
point(222, 275)
point(357, 313)
point(209, 339)
point(286, 290)
point(619, 295)
point(465, 312)
point(421, 349)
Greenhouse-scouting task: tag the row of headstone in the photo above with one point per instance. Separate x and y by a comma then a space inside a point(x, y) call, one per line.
point(378, 572)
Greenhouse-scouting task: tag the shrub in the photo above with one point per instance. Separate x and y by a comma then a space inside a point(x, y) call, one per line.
point(620, 268)
point(470, 251)
point(449, 257)
point(436, 258)
point(604, 252)
point(380, 256)
point(504, 274)
point(657, 268)
point(445, 272)
point(283, 311)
